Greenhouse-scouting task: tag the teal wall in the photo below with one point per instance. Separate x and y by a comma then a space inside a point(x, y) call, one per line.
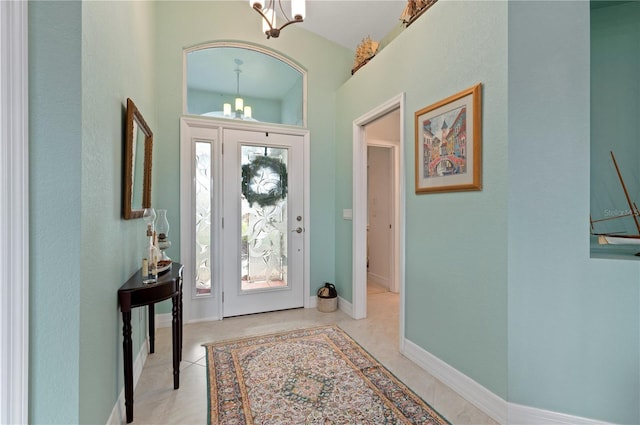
point(292, 108)
point(117, 62)
point(186, 24)
point(519, 307)
point(86, 58)
point(615, 87)
point(456, 251)
point(55, 169)
point(573, 321)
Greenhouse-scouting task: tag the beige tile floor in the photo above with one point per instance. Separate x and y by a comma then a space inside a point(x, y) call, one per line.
point(155, 401)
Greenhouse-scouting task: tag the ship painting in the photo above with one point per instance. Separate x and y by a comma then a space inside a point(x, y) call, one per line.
point(619, 238)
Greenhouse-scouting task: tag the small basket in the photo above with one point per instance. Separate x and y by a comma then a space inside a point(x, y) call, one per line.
point(327, 298)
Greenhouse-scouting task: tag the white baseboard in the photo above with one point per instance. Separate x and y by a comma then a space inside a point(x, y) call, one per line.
point(525, 415)
point(345, 306)
point(312, 302)
point(380, 280)
point(492, 405)
point(118, 414)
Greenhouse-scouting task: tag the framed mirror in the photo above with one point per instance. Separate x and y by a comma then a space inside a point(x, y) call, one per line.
point(137, 164)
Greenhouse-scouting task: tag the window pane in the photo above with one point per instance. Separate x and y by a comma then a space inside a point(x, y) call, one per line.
point(203, 194)
point(264, 218)
point(271, 87)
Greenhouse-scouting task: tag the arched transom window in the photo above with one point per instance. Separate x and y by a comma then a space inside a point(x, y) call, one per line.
point(245, 82)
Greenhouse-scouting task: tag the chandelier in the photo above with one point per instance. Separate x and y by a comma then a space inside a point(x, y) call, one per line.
point(241, 111)
point(269, 14)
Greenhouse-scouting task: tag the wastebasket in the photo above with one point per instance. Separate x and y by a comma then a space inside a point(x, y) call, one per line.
point(327, 298)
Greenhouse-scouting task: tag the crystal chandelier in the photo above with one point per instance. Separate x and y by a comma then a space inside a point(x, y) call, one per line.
point(268, 14)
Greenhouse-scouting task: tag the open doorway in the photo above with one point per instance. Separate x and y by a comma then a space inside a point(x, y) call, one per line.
point(382, 137)
point(378, 212)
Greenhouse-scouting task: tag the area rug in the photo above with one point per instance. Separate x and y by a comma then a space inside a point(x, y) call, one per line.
point(307, 376)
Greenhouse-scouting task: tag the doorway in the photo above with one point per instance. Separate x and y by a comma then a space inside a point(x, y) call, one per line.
point(244, 198)
point(382, 127)
point(381, 187)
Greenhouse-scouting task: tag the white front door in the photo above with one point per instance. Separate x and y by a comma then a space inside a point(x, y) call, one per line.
point(263, 222)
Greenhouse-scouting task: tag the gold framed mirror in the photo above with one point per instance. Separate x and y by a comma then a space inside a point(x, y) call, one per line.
point(137, 164)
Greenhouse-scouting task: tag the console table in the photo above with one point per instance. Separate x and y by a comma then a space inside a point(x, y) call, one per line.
point(133, 294)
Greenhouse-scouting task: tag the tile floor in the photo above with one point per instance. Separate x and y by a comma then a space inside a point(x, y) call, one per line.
point(155, 401)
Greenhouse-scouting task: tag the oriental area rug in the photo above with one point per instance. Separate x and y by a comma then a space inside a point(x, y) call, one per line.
point(307, 376)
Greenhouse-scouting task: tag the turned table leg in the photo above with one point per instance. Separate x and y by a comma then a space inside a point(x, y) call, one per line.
point(127, 348)
point(175, 333)
point(152, 328)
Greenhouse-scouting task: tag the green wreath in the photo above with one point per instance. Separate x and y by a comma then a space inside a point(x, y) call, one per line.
point(253, 175)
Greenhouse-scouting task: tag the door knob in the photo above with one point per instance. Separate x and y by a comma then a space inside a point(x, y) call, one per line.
point(298, 230)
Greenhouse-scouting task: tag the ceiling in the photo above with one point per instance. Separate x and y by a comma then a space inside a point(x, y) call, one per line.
point(347, 22)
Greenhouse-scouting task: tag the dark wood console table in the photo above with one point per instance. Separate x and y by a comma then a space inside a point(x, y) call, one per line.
point(133, 294)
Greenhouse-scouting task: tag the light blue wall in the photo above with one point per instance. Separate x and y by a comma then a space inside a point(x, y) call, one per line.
point(55, 169)
point(573, 321)
point(292, 106)
point(456, 250)
point(86, 58)
point(117, 62)
point(186, 24)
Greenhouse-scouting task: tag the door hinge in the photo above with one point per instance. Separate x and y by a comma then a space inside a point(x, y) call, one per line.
point(223, 222)
point(223, 296)
point(222, 147)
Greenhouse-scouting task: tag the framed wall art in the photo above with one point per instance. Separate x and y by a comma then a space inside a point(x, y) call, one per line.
point(449, 144)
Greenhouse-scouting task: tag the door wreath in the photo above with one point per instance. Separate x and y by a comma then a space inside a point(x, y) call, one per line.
point(263, 187)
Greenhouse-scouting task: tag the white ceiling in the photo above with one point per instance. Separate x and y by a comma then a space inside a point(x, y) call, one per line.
point(347, 22)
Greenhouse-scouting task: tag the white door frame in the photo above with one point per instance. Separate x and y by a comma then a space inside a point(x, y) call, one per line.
point(14, 212)
point(206, 307)
point(196, 127)
point(360, 210)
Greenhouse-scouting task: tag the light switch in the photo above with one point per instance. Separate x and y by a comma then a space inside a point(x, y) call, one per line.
point(347, 214)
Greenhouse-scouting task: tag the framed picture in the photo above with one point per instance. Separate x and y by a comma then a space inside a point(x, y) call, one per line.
point(449, 144)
